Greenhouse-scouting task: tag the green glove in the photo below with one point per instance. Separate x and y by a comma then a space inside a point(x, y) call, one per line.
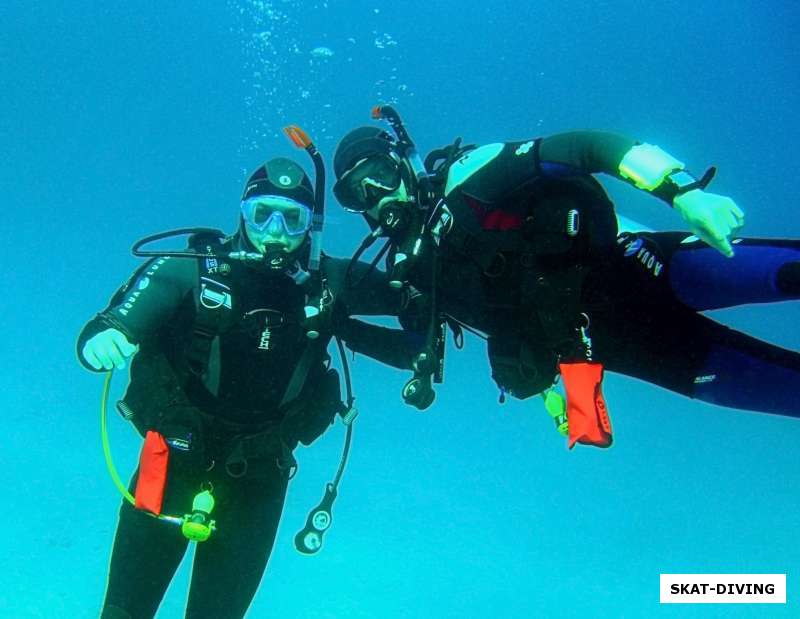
point(108, 349)
point(711, 217)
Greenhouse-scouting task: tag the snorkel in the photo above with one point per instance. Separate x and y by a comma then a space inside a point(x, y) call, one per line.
point(407, 150)
point(320, 297)
point(300, 139)
point(410, 246)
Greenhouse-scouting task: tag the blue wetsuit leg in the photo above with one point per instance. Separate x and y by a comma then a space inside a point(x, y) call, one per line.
point(759, 272)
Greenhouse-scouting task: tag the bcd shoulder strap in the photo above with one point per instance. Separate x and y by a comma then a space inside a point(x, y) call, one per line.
point(212, 298)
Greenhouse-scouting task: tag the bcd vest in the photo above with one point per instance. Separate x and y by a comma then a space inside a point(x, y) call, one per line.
point(174, 386)
point(530, 252)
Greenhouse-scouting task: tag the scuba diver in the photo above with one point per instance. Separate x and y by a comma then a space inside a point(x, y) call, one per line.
point(230, 373)
point(519, 243)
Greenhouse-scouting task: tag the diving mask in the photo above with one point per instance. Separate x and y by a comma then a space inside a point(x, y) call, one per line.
point(364, 185)
point(263, 214)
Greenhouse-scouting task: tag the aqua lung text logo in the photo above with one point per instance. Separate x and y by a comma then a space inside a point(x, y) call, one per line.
point(141, 286)
point(637, 248)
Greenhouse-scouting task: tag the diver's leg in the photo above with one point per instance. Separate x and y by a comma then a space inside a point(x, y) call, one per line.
point(693, 355)
point(145, 556)
point(743, 372)
point(228, 566)
point(761, 271)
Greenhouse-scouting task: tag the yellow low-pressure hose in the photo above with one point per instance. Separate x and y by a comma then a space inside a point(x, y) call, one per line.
point(106, 446)
point(112, 470)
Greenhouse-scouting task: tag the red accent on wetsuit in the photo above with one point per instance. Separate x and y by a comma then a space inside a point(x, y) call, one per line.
point(587, 414)
point(152, 473)
point(495, 219)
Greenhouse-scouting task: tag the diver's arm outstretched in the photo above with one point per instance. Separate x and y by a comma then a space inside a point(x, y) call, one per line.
point(394, 347)
point(490, 172)
point(367, 293)
point(712, 217)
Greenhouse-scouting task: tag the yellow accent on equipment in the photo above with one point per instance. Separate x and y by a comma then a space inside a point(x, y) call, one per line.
point(646, 166)
point(556, 407)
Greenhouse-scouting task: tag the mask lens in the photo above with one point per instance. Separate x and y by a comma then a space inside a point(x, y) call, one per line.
point(260, 211)
point(364, 185)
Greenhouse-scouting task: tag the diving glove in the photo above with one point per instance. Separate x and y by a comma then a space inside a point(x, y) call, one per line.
point(108, 350)
point(711, 217)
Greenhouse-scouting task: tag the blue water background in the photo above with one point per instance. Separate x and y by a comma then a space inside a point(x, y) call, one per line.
point(122, 119)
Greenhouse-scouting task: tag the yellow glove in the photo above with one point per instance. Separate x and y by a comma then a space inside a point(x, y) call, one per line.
point(711, 217)
point(108, 349)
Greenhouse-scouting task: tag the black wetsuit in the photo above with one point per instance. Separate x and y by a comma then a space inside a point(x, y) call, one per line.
point(641, 292)
point(233, 432)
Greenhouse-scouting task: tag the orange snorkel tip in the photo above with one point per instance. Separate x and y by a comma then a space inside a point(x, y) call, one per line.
point(376, 112)
point(298, 137)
